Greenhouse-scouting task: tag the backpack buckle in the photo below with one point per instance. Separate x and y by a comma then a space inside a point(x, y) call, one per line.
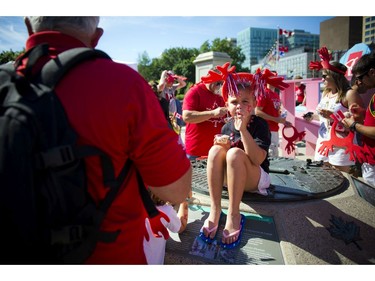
point(67, 235)
point(57, 156)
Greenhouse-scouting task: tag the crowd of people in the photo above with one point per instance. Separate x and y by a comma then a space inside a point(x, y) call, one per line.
point(237, 105)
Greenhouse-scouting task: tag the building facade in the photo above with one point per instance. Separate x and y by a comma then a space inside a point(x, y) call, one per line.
point(304, 39)
point(294, 63)
point(341, 33)
point(368, 30)
point(255, 43)
point(338, 34)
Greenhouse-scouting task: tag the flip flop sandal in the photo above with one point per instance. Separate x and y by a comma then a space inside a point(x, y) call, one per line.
point(205, 238)
point(237, 232)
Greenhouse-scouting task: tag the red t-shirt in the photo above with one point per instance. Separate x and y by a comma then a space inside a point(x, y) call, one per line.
point(300, 93)
point(199, 137)
point(112, 107)
point(270, 103)
point(369, 143)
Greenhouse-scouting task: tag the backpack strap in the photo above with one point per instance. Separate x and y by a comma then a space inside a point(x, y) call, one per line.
point(52, 72)
point(56, 68)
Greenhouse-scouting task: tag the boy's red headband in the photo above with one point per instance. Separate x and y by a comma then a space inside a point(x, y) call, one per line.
point(264, 77)
point(230, 79)
point(325, 57)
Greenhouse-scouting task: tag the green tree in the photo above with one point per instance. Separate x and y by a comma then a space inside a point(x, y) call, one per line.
point(7, 56)
point(147, 67)
point(226, 46)
point(179, 60)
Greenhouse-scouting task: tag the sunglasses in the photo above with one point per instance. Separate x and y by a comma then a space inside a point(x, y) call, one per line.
point(360, 77)
point(324, 76)
point(218, 84)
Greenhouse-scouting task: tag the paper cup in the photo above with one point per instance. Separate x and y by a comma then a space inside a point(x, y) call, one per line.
point(223, 139)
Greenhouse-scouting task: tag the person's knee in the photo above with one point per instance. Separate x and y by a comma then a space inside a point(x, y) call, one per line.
point(216, 150)
point(234, 155)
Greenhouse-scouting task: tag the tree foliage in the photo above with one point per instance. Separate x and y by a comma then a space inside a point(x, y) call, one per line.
point(7, 56)
point(180, 60)
point(226, 46)
point(148, 68)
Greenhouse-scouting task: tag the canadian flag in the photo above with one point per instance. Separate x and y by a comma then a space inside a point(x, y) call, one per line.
point(283, 49)
point(287, 33)
point(177, 115)
point(339, 115)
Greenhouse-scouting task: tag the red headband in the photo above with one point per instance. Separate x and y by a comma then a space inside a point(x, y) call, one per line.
point(230, 78)
point(264, 77)
point(325, 57)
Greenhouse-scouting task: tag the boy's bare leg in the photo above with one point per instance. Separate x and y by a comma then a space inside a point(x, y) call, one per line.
point(241, 176)
point(215, 180)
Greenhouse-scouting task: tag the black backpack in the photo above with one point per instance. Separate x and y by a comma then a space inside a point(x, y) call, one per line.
point(46, 213)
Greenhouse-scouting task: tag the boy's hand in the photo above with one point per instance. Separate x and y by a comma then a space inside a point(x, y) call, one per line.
point(241, 119)
point(222, 140)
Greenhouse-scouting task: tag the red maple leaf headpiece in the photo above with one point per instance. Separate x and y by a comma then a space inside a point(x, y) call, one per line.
point(325, 57)
point(230, 80)
point(266, 76)
point(171, 77)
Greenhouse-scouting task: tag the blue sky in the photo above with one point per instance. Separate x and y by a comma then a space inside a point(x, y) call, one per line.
point(152, 26)
point(126, 37)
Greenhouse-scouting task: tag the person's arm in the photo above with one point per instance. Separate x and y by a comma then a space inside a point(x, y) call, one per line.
point(365, 130)
point(355, 105)
point(259, 112)
point(255, 153)
point(350, 123)
point(162, 81)
point(252, 150)
point(154, 149)
point(176, 192)
point(181, 82)
point(192, 116)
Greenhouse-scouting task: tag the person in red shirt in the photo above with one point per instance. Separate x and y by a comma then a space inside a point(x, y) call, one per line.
point(300, 94)
point(269, 108)
point(299, 91)
point(112, 107)
point(203, 111)
point(364, 73)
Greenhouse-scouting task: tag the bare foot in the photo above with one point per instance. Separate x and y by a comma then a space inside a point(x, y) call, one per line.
point(183, 213)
